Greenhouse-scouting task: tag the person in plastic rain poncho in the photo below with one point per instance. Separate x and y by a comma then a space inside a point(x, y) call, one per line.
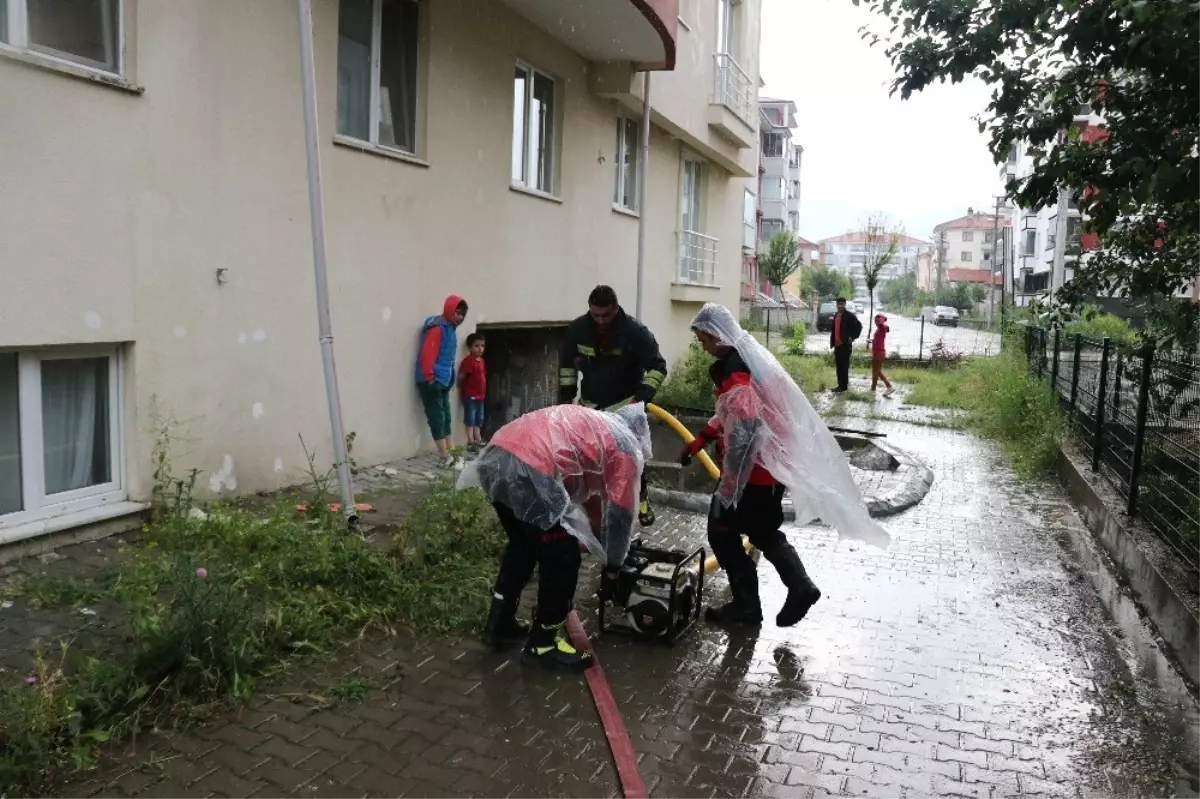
point(770, 440)
point(539, 471)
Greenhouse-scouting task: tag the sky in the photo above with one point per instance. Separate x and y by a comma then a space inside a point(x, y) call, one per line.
point(921, 161)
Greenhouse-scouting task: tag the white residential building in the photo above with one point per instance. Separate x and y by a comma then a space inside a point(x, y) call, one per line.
point(157, 245)
point(779, 198)
point(848, 254)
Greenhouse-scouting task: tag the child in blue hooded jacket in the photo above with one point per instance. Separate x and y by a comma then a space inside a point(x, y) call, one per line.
point(435, 368)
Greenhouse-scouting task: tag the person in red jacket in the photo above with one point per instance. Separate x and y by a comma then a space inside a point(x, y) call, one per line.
point(770, 440)
point(434, 369)
point(472, 384)
point(878, 353)
point(539, 471)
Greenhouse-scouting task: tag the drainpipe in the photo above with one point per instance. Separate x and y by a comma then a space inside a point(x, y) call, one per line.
point(642, 181)
point(316, 207)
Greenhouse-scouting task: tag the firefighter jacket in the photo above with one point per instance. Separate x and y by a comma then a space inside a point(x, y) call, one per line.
point(619, 365)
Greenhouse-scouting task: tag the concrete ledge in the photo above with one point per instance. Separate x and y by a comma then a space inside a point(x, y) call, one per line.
point(46, 536)
point(1169, 612)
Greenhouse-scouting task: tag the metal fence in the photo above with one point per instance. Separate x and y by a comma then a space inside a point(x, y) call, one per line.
point(1136, 414)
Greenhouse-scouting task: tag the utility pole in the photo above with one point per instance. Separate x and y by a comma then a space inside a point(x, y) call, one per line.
point(1058, 274)
point(643, 179)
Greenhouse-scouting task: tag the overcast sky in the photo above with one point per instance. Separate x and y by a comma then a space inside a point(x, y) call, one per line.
point(922, 161)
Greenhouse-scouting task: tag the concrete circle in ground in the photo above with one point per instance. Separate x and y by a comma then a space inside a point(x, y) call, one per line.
point(890, 479)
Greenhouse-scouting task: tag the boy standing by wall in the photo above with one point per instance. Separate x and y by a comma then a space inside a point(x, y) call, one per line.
point(435, 368)
point(472, 383)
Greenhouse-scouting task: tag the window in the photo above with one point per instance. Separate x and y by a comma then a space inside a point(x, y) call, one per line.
point(968, 235)
point(772, 143)
point(749, 219)
point(533, 129)
point(771, 228)
point(59, 432)
point(377, 72)
point(987, 237)
point(774, 189)
point(83, 32)
point(987, 256)
point(1030, 242)
point(697, 252)
point(794, 221)
point(725, 32)
point(628, 154)
point(966, 256)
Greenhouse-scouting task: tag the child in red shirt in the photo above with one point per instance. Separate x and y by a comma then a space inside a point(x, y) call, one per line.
point(878, 353)
point(472, 383)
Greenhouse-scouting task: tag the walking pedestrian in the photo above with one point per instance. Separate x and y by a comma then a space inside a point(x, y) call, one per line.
point(618, 359)
point(434, 370)
point(846, 328)
point(769, 440)
point(539, 471)
point(878, 353)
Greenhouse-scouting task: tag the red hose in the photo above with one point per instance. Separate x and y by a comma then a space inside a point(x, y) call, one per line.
point(619, 744)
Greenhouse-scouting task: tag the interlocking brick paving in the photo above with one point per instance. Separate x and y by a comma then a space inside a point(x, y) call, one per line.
point(970, 658)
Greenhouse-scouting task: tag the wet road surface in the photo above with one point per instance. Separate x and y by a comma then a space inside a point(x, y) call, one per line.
point(971, 658)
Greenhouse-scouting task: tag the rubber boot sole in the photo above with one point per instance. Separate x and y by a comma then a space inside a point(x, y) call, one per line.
point(792, 615)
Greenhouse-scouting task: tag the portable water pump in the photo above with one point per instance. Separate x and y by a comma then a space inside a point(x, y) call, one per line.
point(658, 593)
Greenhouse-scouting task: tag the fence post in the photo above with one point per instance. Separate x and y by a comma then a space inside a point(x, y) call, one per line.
point(1075, 371)
point(1054, 369)
point(1041, 355)
point(921, 343)
point(1139, 436)
point(1098, 441)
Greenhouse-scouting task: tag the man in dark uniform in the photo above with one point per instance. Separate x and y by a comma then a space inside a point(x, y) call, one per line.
point(618, 361)
point(846, 328)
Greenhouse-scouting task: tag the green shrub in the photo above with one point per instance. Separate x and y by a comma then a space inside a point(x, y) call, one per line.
point(688, 386)
point(795, 343)
point(1096, 324)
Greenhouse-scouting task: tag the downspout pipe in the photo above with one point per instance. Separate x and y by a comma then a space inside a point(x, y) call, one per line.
point(316, 206)
point(643, 179)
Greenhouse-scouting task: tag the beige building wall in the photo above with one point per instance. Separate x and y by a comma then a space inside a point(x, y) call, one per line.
point(120, 207)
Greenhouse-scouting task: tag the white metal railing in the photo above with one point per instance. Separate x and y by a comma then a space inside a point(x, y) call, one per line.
point(697, 258)
point(732, 87)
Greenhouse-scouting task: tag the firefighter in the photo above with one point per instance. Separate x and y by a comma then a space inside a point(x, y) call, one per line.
point(618, 360)
point(540, 471)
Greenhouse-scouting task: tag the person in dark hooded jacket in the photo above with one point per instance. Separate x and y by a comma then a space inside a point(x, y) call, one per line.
point(434, 370)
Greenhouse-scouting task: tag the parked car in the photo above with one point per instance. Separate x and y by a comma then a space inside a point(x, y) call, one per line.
point(941, 315)
point(858, 306)
point(825, 314)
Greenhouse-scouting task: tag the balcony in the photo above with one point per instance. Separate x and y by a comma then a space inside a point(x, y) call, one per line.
point(640, 32)
point(697, 279)
point(732, 113)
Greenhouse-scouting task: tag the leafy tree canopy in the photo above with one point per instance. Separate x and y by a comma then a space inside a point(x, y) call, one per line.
point(1135, 62)
point(819, 282)
point(781, 260)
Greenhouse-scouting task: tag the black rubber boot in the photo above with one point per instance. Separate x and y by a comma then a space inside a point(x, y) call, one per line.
point(548, 648)
point(502, 628)
point(802, 593)
point(744, 608)
point(646, 515)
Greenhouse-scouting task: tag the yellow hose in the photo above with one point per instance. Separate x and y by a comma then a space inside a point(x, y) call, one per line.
point(710, 565)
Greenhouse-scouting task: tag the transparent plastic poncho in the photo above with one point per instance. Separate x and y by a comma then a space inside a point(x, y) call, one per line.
point(548, 464)
point(772, 423)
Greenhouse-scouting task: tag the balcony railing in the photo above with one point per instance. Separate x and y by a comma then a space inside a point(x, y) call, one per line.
point(697, 258)
point(732, 87)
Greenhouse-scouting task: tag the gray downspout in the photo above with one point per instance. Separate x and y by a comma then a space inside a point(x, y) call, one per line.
point(642, 181)
point(316, 207)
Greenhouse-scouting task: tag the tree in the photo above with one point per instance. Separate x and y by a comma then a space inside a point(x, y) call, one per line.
point(1134, 62)
point(819, 282)
point(780, 262)
point(899, 293)
point(882, 241)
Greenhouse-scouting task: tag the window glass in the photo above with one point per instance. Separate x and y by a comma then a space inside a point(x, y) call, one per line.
point(10, 438)
point(398, 75)
point(354, 68)
point(542, 131)
point(519, 152)
point(75, 423)
point(84, 31)
point(3, 32)
point(629, 164)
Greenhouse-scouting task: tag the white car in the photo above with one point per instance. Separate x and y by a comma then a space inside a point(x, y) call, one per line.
point(942, 315)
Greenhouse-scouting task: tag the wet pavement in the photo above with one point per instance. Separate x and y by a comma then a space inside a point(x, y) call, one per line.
point(906, 339)
point(973, 657)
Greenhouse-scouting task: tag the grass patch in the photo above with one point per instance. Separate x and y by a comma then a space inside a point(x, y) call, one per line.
point(351, 689)
point(209, 606)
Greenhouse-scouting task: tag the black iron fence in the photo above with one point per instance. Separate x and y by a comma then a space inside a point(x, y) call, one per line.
point(1136, 414)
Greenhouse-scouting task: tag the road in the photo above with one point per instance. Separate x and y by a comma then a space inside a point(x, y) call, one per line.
point(907, 337)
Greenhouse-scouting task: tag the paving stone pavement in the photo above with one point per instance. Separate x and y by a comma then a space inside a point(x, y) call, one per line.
point(970, 658)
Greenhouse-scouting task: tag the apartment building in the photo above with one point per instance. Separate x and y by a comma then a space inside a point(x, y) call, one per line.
point(969, 249)
point(848, 253)
point(775, 206)
point(158, 250)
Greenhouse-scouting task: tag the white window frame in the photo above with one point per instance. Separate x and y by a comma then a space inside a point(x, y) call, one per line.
point(968, 235)
point(623, 121)
point(373, 101)
point(36, 503)
point(19, 41)
point(528, 180)
point(966, 256)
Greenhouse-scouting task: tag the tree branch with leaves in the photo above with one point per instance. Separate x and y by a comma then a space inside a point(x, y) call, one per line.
point(1134, 63)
